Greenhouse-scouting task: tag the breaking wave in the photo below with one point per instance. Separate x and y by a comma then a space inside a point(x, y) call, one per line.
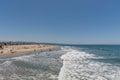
point(79, 65)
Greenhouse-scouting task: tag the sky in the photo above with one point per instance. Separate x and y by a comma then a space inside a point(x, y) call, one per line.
point(60, 21)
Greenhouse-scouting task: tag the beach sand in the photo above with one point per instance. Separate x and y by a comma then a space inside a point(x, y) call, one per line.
point(21, 49)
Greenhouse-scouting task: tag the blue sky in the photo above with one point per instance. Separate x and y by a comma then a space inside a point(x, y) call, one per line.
point(63, 21)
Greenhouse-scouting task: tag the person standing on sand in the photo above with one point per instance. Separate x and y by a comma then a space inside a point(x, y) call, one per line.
point(1, 46)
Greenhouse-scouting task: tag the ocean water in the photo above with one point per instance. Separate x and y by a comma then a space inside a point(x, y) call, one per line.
point(71, 62)
point(34, 66)
point(91, 62)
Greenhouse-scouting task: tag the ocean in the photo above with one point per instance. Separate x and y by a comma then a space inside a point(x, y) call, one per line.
point(71, 62)
point(91, 62)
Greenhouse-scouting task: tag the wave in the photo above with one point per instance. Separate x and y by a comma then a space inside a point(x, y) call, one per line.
point(42, 66)
point(79, 65)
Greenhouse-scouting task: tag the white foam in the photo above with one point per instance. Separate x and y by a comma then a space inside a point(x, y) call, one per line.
point(24, 57)
point(47, 76)
point(78, 66)
point(6, 63)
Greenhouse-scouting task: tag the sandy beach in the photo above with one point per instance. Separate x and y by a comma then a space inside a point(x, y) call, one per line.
point(21, 49)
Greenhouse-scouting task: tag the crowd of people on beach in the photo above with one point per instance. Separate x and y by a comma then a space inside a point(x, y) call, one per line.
point(14, 48)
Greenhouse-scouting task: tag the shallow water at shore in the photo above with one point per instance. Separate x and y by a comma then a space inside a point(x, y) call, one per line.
point(37, 66)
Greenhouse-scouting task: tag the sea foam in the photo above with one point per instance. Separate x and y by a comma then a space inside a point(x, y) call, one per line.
point(79, 65)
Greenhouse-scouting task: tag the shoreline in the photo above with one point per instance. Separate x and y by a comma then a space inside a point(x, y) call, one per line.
point(16, 50)
point(46, 65)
